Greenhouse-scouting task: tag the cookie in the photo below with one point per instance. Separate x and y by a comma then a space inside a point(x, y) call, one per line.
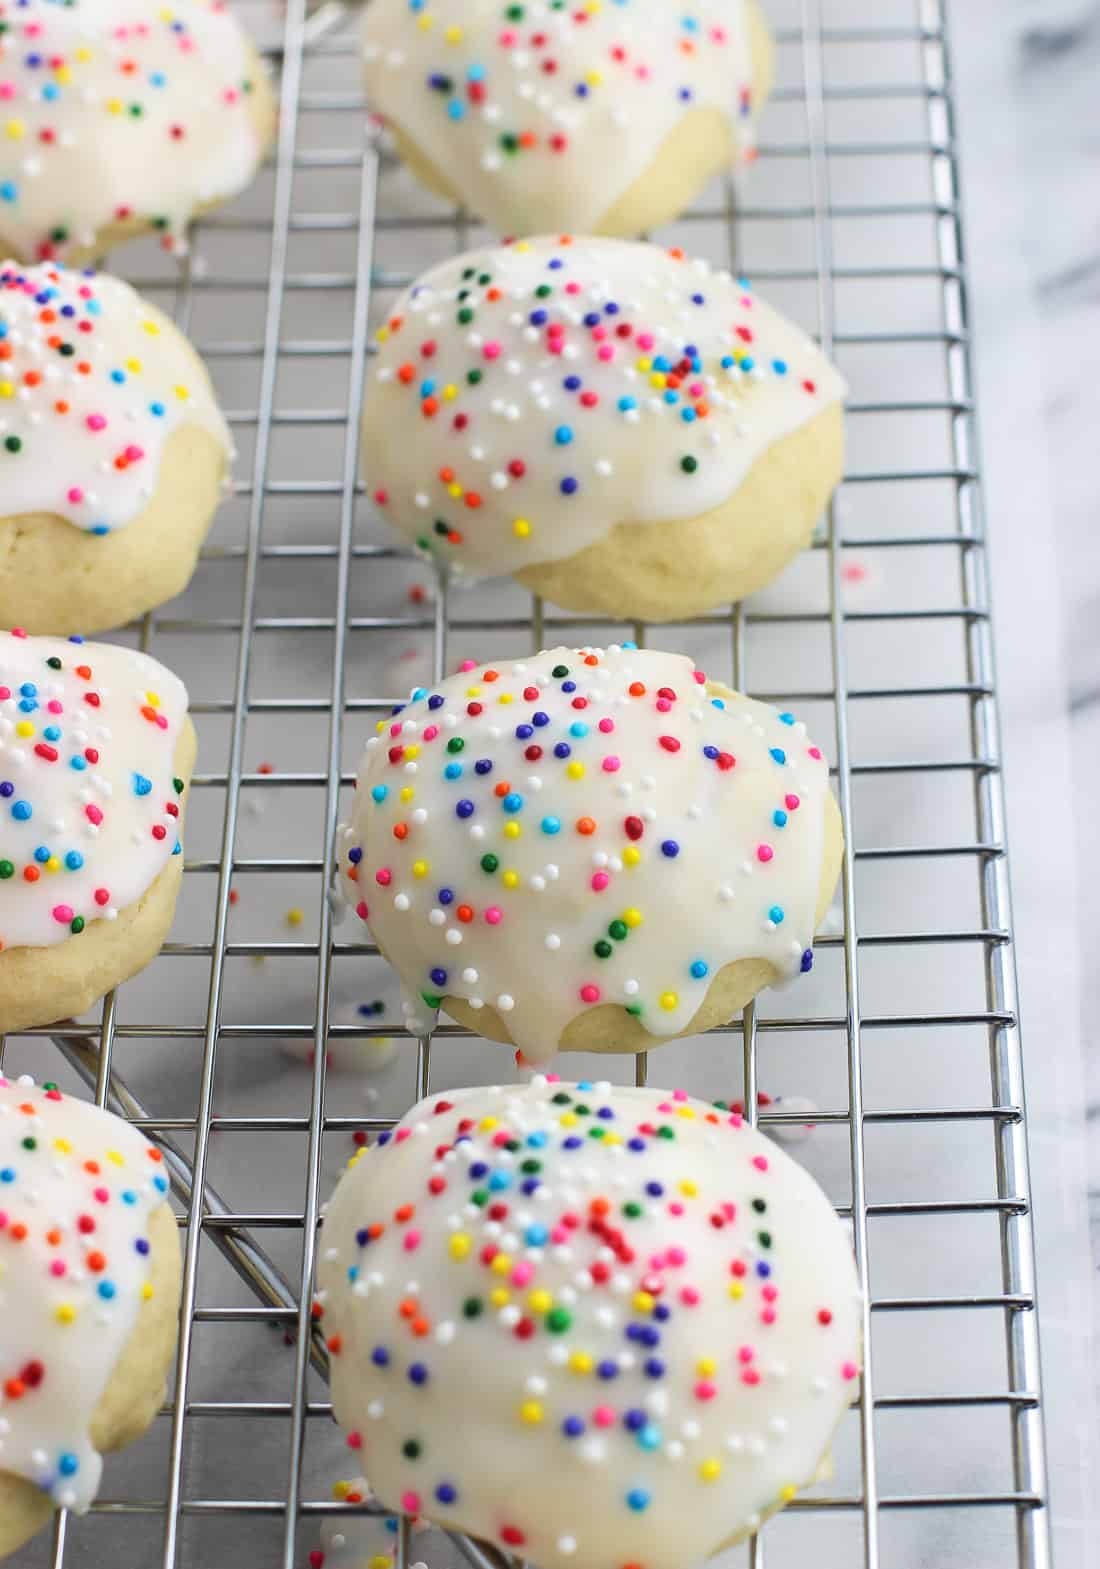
point(628, 432)
point(113, 452)
point(123, 118)
point(589, 850)
point(590, 1325)
point(89, 1292)
point(604, 120)
point(96, 749)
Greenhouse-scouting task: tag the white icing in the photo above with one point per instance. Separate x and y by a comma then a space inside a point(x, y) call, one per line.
point(572, 425)
point(74, 1270)
point(653, 1360)
point(88, 806)
point(593, 91)
point(93, 381)
point(75, 157)
point(643, 820)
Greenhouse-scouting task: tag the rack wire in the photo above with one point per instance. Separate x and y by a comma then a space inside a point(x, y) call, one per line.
point(943, 1453)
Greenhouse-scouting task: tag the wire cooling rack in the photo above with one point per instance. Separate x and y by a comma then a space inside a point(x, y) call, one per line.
point(304, 622)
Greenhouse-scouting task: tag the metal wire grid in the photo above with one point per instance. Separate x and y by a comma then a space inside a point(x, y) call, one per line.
point(284, 1299)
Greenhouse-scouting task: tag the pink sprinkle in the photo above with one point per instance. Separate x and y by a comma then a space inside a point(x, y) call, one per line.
point(815, 751)
point(134, 454)
point(18, 632)
point(605, 352)
point(646, 340)
point(603, 1416)
point(3, 1212)
point(760, 1162)
point(770, 1293)
point(611, 765)
point(412, 1240)
point(764, 852)
point(63, 913)
point(381, 497)
point(57, 1268)
point(96, 422)
point(606, 726)
point(676, 1208)
point(431, 732)
point(101, 1195)
point(76, 495)
point(849, 1371)
point(410, 1503)
point(689, 1296)
point(559, 1235)
point(522, 1274)
point(663, 705)
point(676, 1257)
point(493, 915)
point(750, 1376)
point(745, 1354)
point(355, 1440)
point(791, 802)
point(383, 877)
point(395, 730)
point(94, 815)
point(54, 706)
point(768, 1316)
point(705, 1389)
point(491, 351)
point(401, 1134)
point(361, 910)
point(736, 1120)
point(7, 90)
point(102, 896)
point(590, 993)
point(467, 664)
point(599, 882)
point(699, 677)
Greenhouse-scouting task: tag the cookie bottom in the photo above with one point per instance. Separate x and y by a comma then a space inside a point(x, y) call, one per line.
point(672, 571)
point(56, 578)
point(609, 1028)
point(262, 111)
point(42, 985)
point(702, 145)
point(134, 1391)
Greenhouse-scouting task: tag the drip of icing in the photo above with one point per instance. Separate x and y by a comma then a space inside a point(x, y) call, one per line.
point(584, 827)
point(89, 805)
point(116, 110)
point(544, 119)
point(77, 1188)
point(93, 381)
point(525, 400)
point(594, 1325)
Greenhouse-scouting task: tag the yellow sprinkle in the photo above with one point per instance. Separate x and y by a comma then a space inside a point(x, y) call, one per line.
point(450, 393)
point(575, 770)
point(182, 393)
point(66, 1313)
point(340, 1490)
point(631, 855)
point(736, 1290)
point(16, 130)
point(531, 1413)
point(706, 1367)
point(500, 1296)
point(501, 1265)
point(522, 247)
point(83, 54)
point(116, 1158)
point(380, 726)
point(7, 390)
point(787, 1493)
point(454, 490)
point(147, 1292)
point(645, 365)
point(510, 879)
point(669, 1001)
point(521, 528)
point(381, 1561)
point(62, 74)
point(473, 691)
point(24, 728)
point(658, 381)
point(632, 917)
point(453, 35)
point(686, 1111)
point(134, 365)
point(152, 328)
point(53, 864)
point(412, 752)
point(295, 917)
point(407, 794)
point(63, 1146)
point(382, 334)
point(459, 1245)
point(114, 106)
point(594, 78)
point(688, 1188)
point(710, 1470)
point(580, 1362)
point(540, 1302)
point(420, 868)
point(487, 1124)
point(511, 831)
point(643, 1302)
point(505, 698)
point(425, 22)
point(567, 1119)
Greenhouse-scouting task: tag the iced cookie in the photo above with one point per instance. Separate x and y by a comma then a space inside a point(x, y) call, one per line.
point(608, 119)
point(123, 117)
point(89, 1295)
point(113, 452)
point(628, 432)
point(589, 850)
point(96, 750)
point(590, 1325)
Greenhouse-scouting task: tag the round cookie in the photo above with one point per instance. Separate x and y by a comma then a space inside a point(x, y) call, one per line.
point(588, 1324)
point(121, 118)
point(96, 749)
point(603, 120)
point(89, 1297)
point(628, 432)
point(589, 850)
point(113, 452)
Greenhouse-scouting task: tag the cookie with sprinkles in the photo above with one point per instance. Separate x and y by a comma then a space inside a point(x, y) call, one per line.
point(589, 850)
point(89, 1296)
point(122, 117)
point(96, 750)
point(606, 118)
point(588, 1324)
point(627, 431)
point(113, 452)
